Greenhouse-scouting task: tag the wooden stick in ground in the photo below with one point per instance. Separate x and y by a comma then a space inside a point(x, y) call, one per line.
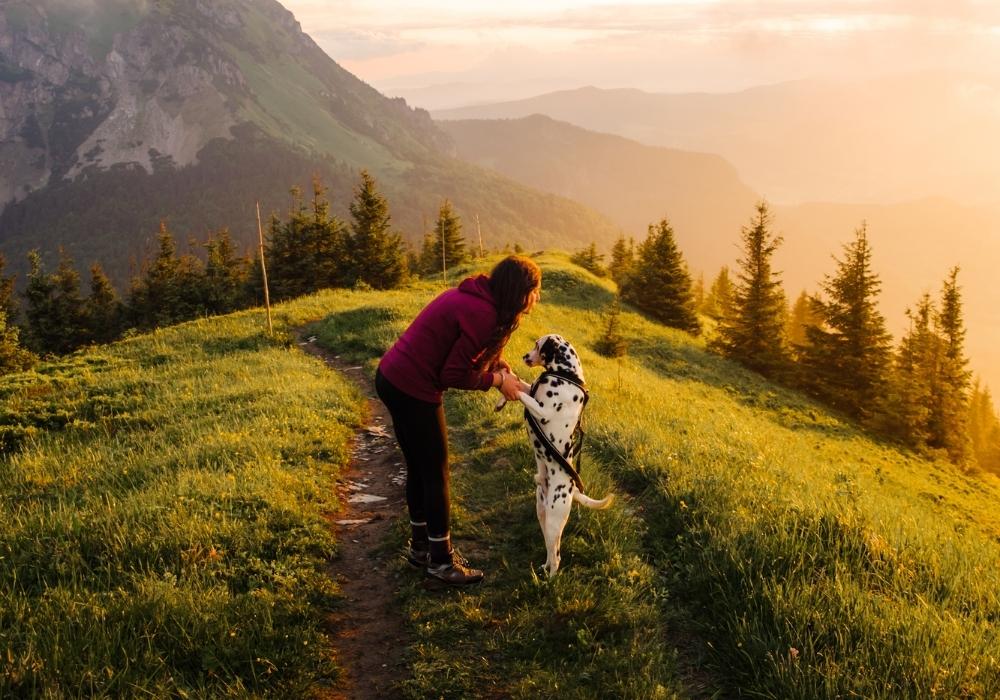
point(480, 230)
point(444, 257)
point(263, 270)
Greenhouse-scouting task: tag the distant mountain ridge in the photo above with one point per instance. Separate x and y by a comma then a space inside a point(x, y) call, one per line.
point(915, 243)
point(117, 113)
point(884, 140)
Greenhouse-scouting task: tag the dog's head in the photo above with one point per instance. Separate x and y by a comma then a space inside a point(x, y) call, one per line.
point(554, 353)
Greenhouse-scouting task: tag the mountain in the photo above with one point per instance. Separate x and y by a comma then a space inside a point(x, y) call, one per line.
point(118, 113)
point(883, 140)
point(632, 184)
point(915, 243)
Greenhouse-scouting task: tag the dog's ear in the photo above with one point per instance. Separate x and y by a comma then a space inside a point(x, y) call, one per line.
point(548, 350)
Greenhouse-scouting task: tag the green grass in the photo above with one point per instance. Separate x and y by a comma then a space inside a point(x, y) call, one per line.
point(796, 556)
point(161, 530)
point(163, 533)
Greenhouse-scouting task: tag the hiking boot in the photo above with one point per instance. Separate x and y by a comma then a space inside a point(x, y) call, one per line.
point(454, 573)
point(418, 555)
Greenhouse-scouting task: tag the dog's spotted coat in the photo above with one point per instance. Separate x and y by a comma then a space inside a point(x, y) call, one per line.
point(556, 404)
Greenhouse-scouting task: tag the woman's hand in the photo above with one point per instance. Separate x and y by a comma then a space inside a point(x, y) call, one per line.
point(510, 386)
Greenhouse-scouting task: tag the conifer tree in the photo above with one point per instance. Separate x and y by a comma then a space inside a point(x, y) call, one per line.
point(429, 259)
point(8, 302)
point(169, 290)
point(754, 333)
point(309, 251)
point(54, 310)
point(612, 343)
point(622, 260)
point(799, 318)
point(226, 275)
point(13, 357)
point(847, 358)
point(909, 393)
point(659, 283)
point(948, 426)
point(984, 429)
point(698, 291)
point(589, 259)
point(719, 300)
point(103, 311)
point(448, 237)
point(376, 254)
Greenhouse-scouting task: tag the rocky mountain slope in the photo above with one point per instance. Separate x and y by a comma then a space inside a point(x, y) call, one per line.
point(117, 113)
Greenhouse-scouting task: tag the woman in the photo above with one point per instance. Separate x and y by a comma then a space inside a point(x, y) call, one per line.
point(456, 342)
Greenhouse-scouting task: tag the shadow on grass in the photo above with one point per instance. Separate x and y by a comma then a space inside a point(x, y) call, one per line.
point(360, 334)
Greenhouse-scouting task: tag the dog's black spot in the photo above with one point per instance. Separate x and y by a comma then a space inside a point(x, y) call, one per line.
point(538, 443)
point(549, 394)
point(552, 437)
point(541, 405)
point(559, 408)
point(575, 398)
point(545, 421)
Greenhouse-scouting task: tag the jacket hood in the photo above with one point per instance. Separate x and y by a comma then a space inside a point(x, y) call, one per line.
point(478, 286)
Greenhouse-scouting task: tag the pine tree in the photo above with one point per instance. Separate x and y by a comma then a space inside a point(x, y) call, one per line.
point(13, 357)
point(622, 260)
point(799, 318)
point(659, 283)
point(612, 343)
point(698, 292)
point(984, 429)
point(309, 251)
point(376, 254)
point(429, 259)
point(754, 333)
point(8, 302)
point(54, 312)
point(909, 393)
point(719, 300)
point(103, 311)
point(170, 288)
point(948, 426)
point(589, 259)
point(448, 237)
point(846, 362)
point(226, 275)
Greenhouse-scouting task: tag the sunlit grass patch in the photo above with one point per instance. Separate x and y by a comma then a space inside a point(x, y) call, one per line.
point(161, 529)
point(799, 556)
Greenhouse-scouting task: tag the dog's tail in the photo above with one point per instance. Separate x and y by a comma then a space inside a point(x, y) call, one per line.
point(593, 503)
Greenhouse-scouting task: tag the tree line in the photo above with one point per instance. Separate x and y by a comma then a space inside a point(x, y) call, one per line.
point(308, 250)
point(832, 344)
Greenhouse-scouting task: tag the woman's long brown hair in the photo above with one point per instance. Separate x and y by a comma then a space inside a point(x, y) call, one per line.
point(511, 281)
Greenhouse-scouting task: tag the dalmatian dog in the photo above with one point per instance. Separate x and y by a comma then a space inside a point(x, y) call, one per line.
point(556, 402)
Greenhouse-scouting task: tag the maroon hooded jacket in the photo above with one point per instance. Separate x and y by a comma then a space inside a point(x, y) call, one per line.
point(441, 346)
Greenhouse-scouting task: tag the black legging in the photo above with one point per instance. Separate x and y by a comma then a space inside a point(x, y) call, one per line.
point(423, 438)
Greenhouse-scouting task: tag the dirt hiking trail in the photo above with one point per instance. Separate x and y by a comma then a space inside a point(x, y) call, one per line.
point(367, 629)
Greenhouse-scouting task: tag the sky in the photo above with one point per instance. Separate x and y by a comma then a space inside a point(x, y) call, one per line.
point(658, 45)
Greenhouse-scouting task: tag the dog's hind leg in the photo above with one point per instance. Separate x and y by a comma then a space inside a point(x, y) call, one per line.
point(556, 516)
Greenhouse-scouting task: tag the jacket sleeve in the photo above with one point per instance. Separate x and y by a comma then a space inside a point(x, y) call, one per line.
point(458, 371)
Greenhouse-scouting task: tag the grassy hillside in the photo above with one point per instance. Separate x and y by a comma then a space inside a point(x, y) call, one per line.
point(163, 533)
point(778, 550)
point(161, 528)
